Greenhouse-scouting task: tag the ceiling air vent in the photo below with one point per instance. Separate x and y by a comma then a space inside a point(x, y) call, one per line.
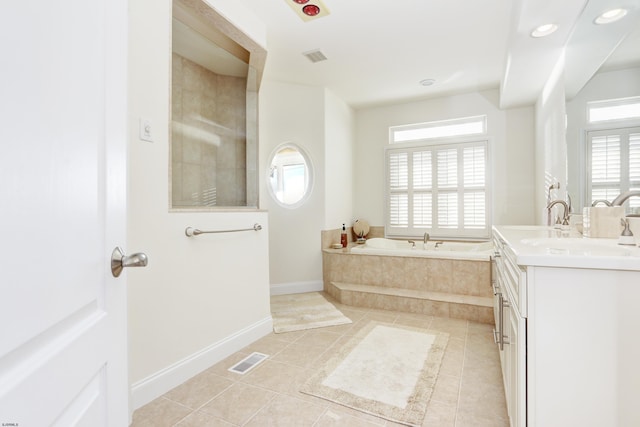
point(315, 55)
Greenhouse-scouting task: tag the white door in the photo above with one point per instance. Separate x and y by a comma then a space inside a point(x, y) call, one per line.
point(62, 211)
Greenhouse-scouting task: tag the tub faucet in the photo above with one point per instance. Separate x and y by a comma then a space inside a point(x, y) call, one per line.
point(565, 219)
point(425, 238)
point(618, 201)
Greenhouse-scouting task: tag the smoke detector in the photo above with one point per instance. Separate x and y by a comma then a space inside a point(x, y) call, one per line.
point(308, 10)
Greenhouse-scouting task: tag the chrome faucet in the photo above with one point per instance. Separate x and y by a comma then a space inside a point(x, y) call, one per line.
point(425, 238)
point(606, 202)
point(622, 197)
point(565, 218)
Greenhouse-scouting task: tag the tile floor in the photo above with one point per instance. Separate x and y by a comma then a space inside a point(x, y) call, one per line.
point(468, 392)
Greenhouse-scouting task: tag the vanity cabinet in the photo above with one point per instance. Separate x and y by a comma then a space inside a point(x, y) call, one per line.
point(569, 332)
point(510, 332)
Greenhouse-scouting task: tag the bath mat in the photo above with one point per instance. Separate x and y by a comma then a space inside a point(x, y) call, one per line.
point(296, 312)
point(386, 370)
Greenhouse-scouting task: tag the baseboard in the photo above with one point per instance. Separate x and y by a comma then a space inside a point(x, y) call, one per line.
point(154, 386)
point(297, 287)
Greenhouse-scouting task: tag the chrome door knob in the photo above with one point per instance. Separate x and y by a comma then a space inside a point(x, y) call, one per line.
point(119, 261)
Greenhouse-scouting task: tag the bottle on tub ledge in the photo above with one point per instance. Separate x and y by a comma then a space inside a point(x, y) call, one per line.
point(343, 237)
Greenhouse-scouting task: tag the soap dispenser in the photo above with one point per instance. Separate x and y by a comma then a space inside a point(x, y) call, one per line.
point(626, 238)
point(343, 236)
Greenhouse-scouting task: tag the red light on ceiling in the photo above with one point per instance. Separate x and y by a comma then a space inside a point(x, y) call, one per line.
point(308, 10)
point(311, 10)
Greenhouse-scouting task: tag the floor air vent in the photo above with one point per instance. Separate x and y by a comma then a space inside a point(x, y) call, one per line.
point(248, 363)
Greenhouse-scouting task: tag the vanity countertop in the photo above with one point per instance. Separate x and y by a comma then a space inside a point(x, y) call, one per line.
point(549, 247)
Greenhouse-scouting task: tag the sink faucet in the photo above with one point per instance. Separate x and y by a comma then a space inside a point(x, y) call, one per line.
point(618, 201)
point(425, 238)
point(565, 219)
point(606, 202)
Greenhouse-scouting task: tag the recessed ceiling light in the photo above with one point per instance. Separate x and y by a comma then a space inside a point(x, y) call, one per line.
point(427, 82)
point(610, 16)
point(544, 30)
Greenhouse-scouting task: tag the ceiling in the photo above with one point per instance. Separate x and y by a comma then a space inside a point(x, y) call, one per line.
point(378, 52)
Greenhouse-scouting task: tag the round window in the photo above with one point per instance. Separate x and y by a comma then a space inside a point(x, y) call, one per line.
point(289, 175)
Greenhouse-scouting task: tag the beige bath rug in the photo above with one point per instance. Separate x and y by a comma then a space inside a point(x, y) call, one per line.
point(386, 370)
point(296, 312)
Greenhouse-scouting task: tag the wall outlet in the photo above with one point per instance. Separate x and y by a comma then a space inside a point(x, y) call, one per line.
point(146, 130)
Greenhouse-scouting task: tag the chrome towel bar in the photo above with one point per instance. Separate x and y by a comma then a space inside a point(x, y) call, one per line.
point(190, 231)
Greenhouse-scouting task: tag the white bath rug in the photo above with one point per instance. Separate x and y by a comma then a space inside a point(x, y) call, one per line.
point(296, 312)
point(386, 370)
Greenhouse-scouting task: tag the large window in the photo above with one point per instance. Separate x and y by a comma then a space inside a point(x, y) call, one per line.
point(438, 185)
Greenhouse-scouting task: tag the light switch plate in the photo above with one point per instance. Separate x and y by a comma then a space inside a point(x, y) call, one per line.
point(146, 130)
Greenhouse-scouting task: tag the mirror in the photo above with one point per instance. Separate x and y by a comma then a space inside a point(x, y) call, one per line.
point(593, 73)
point(214, 84)
point(289, 175)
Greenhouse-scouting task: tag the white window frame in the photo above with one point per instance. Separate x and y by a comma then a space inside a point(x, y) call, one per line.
point(438, 130)
point(459, 233)
point(633, 102)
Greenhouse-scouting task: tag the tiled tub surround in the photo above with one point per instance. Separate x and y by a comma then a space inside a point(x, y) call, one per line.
point(441, 287)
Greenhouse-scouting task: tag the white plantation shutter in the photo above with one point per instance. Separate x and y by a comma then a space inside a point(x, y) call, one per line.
point(634, 159)
point(422, 171)
point(398, 171)
point(399, 210)
point(634, 168)
point(423, 210)
point(398, 185)
point(447, 210)
point(613, 160)
point(475, 215)
point(447, 168)
point(440, 189)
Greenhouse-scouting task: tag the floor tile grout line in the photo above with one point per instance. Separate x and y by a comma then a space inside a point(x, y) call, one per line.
point(275, 394)
point(462, 370)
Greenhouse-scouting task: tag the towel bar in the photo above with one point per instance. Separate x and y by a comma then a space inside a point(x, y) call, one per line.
point(190, 231)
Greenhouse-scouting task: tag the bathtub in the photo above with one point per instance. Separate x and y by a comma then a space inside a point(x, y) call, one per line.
point(447, 250)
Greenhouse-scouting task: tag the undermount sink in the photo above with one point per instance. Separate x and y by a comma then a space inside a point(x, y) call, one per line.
point(580, 246)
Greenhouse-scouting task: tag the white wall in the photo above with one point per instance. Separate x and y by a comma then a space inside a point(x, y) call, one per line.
point(511, 145)
point(320, 124)
point(551, 147)
point(200, 299)
point(604, 85)
point(339, 160)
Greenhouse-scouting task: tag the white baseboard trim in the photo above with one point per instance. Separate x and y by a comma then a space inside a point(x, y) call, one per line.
point(297, 287)
point(154, 386)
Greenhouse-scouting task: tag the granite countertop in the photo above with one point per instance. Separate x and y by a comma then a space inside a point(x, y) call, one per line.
point(549, 247)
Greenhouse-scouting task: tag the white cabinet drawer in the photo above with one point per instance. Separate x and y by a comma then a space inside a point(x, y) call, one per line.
point(515, 281)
